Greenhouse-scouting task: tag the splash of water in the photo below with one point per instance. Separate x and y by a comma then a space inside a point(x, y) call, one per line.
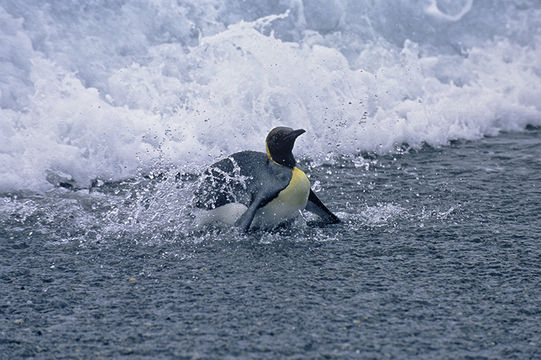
point(109, 90)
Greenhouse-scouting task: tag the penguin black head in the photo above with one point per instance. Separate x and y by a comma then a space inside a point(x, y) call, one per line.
point(280, 143)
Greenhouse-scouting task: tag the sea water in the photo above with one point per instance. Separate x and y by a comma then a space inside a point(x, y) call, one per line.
point(423, 135)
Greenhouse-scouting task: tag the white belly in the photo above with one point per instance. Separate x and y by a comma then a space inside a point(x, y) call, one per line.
point(275, 213)
point(227, 214)
point(285, 206)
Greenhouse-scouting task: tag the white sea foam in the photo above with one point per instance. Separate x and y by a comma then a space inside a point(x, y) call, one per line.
point(106, 91)
point(433, 9)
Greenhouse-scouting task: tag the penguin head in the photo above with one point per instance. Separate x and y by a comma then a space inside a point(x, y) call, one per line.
point(280, 143)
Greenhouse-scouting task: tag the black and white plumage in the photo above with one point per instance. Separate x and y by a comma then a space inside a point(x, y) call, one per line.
point(252, 189)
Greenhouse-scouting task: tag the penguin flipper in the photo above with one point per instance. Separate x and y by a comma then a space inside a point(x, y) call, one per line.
point(314, 205)
point(246, 219)
point(260, 200)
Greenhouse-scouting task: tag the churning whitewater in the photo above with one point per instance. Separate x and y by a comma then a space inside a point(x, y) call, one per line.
point(107, 90)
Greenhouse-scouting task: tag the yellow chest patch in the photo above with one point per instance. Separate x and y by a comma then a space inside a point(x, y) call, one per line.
point(288, 202)
point(297, 191)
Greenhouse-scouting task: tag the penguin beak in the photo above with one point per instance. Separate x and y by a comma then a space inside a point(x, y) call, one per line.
point(294, 134)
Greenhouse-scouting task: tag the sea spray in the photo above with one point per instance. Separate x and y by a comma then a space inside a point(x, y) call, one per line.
point(96, 92)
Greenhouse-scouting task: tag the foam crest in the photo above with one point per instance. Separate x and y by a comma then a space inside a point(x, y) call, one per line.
point(137, 96)
point(433, 9)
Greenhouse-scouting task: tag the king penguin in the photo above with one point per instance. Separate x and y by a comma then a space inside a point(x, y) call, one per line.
point(251, 189)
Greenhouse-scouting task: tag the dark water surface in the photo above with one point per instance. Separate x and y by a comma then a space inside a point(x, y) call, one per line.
point(439, 256)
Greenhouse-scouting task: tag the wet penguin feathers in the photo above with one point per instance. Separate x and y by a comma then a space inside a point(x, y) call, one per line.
point(251, 189)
